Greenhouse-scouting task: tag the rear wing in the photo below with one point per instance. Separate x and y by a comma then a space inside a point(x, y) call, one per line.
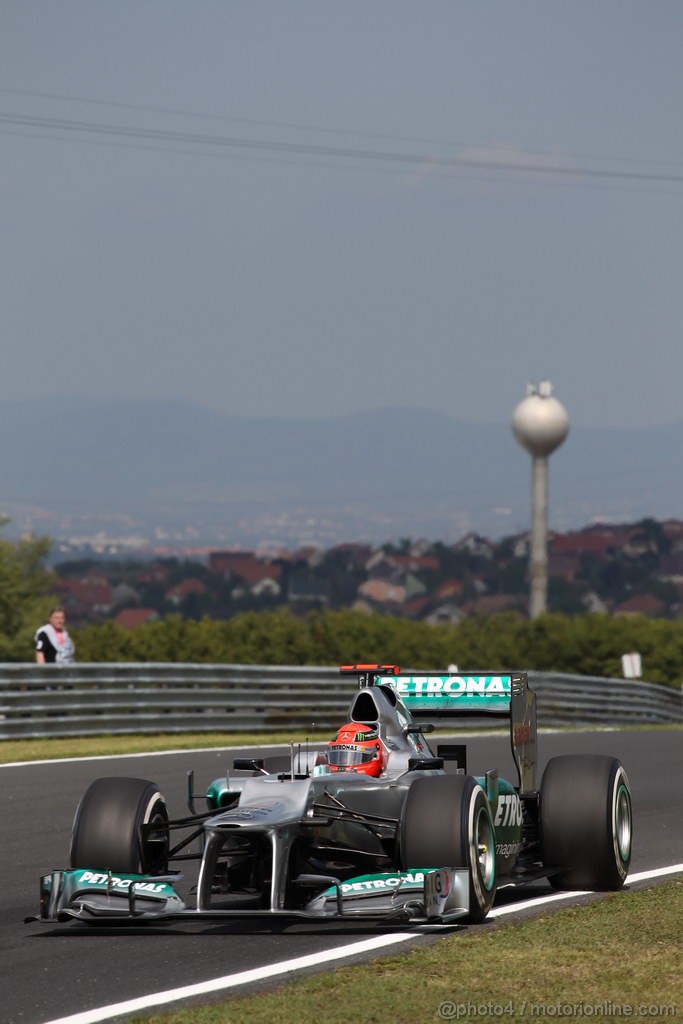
point(450, 696)
point(438, 697)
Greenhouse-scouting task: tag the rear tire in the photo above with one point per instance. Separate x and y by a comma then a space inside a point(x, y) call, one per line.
point(446, 822)
point(586, 821)
point(106, 836)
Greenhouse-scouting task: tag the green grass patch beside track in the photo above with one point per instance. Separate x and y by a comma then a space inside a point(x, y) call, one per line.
point(107, 745)
point(620, 957)
point(103, 746)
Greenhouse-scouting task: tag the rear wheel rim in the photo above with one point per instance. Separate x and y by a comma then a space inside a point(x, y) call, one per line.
point(622, 823)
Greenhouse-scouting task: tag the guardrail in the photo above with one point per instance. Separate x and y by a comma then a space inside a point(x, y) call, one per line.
point(597, 700)
point(100, 698)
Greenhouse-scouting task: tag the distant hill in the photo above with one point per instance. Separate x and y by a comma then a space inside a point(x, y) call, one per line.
point(70, 464)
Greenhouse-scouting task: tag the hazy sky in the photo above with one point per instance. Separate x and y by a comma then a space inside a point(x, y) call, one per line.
point(308, 208)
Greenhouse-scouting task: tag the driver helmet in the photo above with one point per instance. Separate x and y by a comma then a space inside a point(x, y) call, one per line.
point(356, 748)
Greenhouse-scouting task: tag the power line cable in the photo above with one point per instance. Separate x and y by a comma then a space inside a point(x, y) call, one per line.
point(339, 152)
point(434, 172)
point(259, 122)
point(298, 126)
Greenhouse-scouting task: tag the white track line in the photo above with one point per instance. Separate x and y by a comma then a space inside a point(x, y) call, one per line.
point(228, 748)
point(640, 876)
point(149, 753)
point(275, 746)
point(313, 960)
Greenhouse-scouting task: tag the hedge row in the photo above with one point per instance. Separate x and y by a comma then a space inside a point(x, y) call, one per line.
point(584, 645)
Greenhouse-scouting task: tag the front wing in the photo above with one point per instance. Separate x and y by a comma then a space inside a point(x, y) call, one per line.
point(430, 896)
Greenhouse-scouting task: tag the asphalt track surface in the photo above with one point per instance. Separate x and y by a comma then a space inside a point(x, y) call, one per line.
point(51, 971)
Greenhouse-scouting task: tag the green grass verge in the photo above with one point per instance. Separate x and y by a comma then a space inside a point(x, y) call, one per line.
point(89, 746)
point(621, 956)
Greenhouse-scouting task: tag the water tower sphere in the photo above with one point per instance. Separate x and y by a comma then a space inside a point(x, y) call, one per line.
point(540, 423)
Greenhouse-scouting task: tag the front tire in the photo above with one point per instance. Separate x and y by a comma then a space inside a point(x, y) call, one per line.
point(446, 822)
point(586, 822)
point(106, 831)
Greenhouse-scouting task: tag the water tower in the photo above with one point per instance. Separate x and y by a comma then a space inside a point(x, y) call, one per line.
point(540, 423)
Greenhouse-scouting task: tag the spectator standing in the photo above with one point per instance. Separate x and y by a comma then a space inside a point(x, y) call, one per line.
point(53, 643)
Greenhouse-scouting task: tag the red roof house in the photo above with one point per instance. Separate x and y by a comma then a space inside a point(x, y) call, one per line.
point(131, 618)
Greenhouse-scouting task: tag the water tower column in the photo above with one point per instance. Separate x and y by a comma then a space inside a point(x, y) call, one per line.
point(538, 558)
point(540, 423)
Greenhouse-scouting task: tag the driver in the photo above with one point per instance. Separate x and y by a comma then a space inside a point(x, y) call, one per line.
point(357, 748)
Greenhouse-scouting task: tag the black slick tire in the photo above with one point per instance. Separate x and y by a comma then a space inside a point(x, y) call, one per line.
point(106, 829)
point(446, 822)
point(586, 822)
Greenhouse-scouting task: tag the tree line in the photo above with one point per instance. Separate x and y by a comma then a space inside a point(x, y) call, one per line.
point(583, 645)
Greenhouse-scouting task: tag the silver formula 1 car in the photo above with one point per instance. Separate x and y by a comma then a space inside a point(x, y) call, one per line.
point(310, 835)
